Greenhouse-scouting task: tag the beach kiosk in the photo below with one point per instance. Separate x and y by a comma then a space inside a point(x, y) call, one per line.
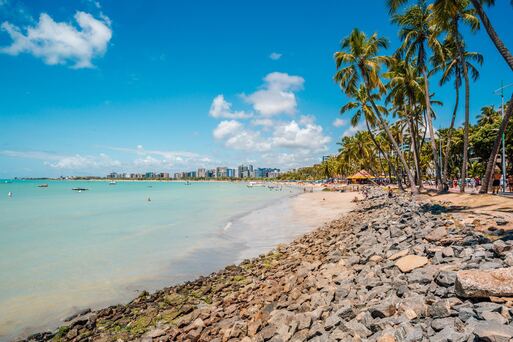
point(361, 177)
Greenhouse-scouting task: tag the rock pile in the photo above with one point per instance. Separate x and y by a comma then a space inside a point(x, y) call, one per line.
point(393, 270)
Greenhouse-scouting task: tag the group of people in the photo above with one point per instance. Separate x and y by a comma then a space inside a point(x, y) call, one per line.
point(496, 183)
point(475, 183)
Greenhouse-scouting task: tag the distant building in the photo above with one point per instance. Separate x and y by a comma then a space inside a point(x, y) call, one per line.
point(178, 175)
point(265, 172)
point(202, 173)
point(273, 174)
point(221, 172)
point(149, 175)
point(246, 171)
point(163, 175)
point(230, 173)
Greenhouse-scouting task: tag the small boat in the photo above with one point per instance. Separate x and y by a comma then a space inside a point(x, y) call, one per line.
point(255, 184)
point(42, 186)
point(187, 183)
point(112, 183)
point(79, 189)
point(9, 194)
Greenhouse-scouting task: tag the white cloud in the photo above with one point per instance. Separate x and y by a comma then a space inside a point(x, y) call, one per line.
point(163, 159)
point(267, 138)
point(353, 130)
point(262, 122)
point(79, 162)
point(304, 135)
point(220, 108)
point(237, 137)
point(275, 56)
point(70, 162)
point(60, 42)
point(248, 141)
point(226, 128)
point(338, 123)
point(278, 95)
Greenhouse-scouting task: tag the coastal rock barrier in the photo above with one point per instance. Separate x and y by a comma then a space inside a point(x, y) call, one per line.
point(395, 269)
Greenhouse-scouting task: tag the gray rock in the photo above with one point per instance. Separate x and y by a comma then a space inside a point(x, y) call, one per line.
point(493, 331)
point(354, 327)
point(448, 334)
point(441, 323)
point(440, 309)
point(446, 278)
point(437, 234)
point(494, 316)
point(465, 314)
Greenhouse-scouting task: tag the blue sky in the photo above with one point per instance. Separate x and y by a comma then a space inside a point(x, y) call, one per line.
point(91, 87)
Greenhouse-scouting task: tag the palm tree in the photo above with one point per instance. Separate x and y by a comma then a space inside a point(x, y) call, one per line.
point(499, 44)
point(417, 34)
point(448, 15)
point(488, 115)
point(451, 68)
point(406, 87)
point(363, 109)
point(490, 165)
point(359, 61)
point(508, 57)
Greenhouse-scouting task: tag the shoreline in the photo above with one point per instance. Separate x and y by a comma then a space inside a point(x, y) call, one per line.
point(205, 259)
point(393, 269)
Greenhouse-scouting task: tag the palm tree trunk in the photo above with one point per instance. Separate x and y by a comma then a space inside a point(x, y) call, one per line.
point(415, 151)
point(429, 123)
point(491, 161)
point(467, 113)
point(503, 50)
point(387, 158)
point(385, 127)
point(449, 136)
point(418, 146)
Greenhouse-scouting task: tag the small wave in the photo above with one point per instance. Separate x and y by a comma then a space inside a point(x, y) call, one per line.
point(228, 225)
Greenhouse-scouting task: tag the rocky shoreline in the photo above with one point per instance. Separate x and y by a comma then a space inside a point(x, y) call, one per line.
point(394, 269)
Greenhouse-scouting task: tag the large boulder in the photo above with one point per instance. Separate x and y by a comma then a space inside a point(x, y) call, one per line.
point(493, 331)
point(485, 283)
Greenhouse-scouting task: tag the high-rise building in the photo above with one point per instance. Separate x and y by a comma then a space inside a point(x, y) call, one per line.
point(221, 172)
point(231, 173)
point(266, 172)
point(246, 171)
point(202, 173)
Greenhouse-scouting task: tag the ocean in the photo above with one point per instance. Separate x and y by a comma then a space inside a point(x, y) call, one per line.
point(63, 250)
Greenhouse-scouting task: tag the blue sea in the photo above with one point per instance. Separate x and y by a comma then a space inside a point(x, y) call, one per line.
point(63, 250)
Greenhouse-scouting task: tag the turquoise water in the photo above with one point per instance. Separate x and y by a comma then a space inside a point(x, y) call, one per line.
point(62, 250)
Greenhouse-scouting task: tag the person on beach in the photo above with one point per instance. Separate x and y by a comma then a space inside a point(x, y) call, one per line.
point(496, 182)
point(390, 193)
point(510, 183)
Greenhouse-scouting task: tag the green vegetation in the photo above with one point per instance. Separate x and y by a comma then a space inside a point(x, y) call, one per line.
point(390, 98)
